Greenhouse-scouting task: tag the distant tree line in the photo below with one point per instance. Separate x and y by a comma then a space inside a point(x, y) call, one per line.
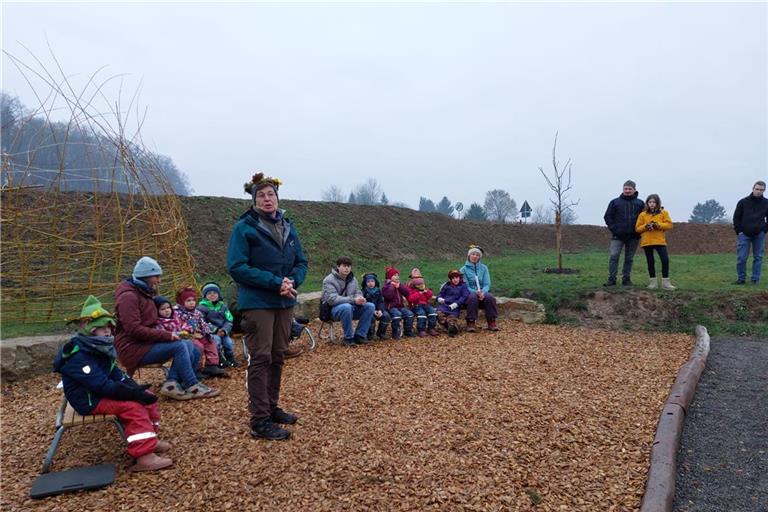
point(38, 152)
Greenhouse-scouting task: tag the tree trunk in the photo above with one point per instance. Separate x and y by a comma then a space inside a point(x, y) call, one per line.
point(558, 241)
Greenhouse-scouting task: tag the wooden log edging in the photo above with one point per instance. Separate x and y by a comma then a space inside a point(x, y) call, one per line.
point(660, 488)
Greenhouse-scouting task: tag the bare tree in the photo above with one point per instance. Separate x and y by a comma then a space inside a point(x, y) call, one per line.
point(560, 183)
point(499, 206)
point(369, 192)
point(333, 194)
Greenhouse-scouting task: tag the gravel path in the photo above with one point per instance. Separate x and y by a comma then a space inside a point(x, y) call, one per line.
point(723, 459)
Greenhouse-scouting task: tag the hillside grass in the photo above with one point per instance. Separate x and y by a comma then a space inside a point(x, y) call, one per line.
point(705, 293)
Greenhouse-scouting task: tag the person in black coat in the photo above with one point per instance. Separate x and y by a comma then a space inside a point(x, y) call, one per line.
point(620, 217)
point(750, 221)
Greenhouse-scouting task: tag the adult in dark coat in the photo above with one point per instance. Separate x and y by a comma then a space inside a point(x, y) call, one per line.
point(267, 262)
point(139, 342)
point(750, 221)
point(620, 217)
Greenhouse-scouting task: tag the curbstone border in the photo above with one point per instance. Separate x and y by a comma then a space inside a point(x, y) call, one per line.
point(660, 488)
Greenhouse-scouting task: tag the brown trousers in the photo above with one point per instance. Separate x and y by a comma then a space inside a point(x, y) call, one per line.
point(267, 332)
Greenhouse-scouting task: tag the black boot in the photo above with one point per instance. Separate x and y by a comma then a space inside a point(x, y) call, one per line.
point(396, 331)
point(280, 416)
point(381, 332)
point(267, 429)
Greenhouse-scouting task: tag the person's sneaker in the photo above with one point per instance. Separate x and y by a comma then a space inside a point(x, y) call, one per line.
point(471, 326)
point(492, 326)
point(383, 337)
point(280, 416)
point(610, 282)
point(173, 389)
point(360, 340)
point(349, 342)
point(200, 390)
point(369, 337)
point(267, 429)
point(293, 351)
point(162, 446)
point(626, 282)
point(150, 462)
point(755, 282)
point(739, 281)
point(433, 332)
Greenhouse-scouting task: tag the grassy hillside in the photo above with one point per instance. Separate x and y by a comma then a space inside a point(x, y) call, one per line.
point(384, 233)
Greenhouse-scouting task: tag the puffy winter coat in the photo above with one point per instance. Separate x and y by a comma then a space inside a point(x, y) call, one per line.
point(217, 315)
point(419, 297)
point(258, 263)
point(373, 295)
point(136, 314)
point(655, 236)
point(393, 297)
point(337, 290)
point(89, 375)
point(451, 294)
point(751, 216)
point(621, 216)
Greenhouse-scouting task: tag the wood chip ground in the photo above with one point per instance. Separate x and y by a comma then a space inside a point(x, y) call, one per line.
point(529, 418)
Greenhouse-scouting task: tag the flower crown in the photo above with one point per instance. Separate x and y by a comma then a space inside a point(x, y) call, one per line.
point(259, 179)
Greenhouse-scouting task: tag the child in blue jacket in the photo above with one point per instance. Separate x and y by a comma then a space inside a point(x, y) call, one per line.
point(93, 384)
point(220, 321)
point(372, 294)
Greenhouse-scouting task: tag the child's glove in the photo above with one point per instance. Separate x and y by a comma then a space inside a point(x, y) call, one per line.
point(441, 300)
point(126, 392)
point(453, 306)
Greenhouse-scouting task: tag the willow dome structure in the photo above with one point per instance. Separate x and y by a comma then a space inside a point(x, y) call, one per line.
point(81, 200)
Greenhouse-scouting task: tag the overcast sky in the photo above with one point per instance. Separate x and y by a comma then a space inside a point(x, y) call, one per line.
point(431, 99)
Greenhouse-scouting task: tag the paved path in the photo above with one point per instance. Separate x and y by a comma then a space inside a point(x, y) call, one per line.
point(723, 460)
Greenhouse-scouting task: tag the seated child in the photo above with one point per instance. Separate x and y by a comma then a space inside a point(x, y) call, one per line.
point(220, 321)
point(453, 294)
point(168, 320)
point(186, 302)
point(94, 384)
point(395, 293)
point(372, 294)
point(426, 316)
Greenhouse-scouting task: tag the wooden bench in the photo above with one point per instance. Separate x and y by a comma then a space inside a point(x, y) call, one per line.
point(67, 417)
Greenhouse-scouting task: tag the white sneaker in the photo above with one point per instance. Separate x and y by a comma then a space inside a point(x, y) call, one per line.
point(654, 283)
point(666, 284)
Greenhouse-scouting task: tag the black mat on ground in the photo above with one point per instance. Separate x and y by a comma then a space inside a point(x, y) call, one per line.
point(79, 479)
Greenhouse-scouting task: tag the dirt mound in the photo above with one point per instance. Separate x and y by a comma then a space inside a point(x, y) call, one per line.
point(390, 233)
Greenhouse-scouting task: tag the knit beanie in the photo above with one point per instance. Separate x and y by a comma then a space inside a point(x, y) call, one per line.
point(211, 287)
point(184, 294)
point(415, 272)
point(93, 316)
point(389, 272)
point(160, 300)
point(476, 249)
point(146, 267)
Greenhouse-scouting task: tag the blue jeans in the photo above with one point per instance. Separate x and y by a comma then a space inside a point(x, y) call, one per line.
point(403, 315)
point(743, 243)
point(426, 317)
point(185, 358)
point(225, 345)
point(345, 313)
point(629, 246)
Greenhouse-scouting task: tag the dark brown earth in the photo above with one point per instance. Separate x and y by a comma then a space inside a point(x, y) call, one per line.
point(387, 232)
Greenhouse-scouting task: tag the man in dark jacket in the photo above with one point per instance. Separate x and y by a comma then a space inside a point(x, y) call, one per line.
point(620, 217)
point(750, 221)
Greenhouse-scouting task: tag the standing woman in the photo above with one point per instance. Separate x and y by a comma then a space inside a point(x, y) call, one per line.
point(652, 224)
point(266, 260)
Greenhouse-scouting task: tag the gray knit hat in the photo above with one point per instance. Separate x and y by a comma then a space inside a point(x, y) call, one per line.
point(146, 267)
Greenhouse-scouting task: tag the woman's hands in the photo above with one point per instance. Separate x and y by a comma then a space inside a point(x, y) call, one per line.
point(287, 289)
